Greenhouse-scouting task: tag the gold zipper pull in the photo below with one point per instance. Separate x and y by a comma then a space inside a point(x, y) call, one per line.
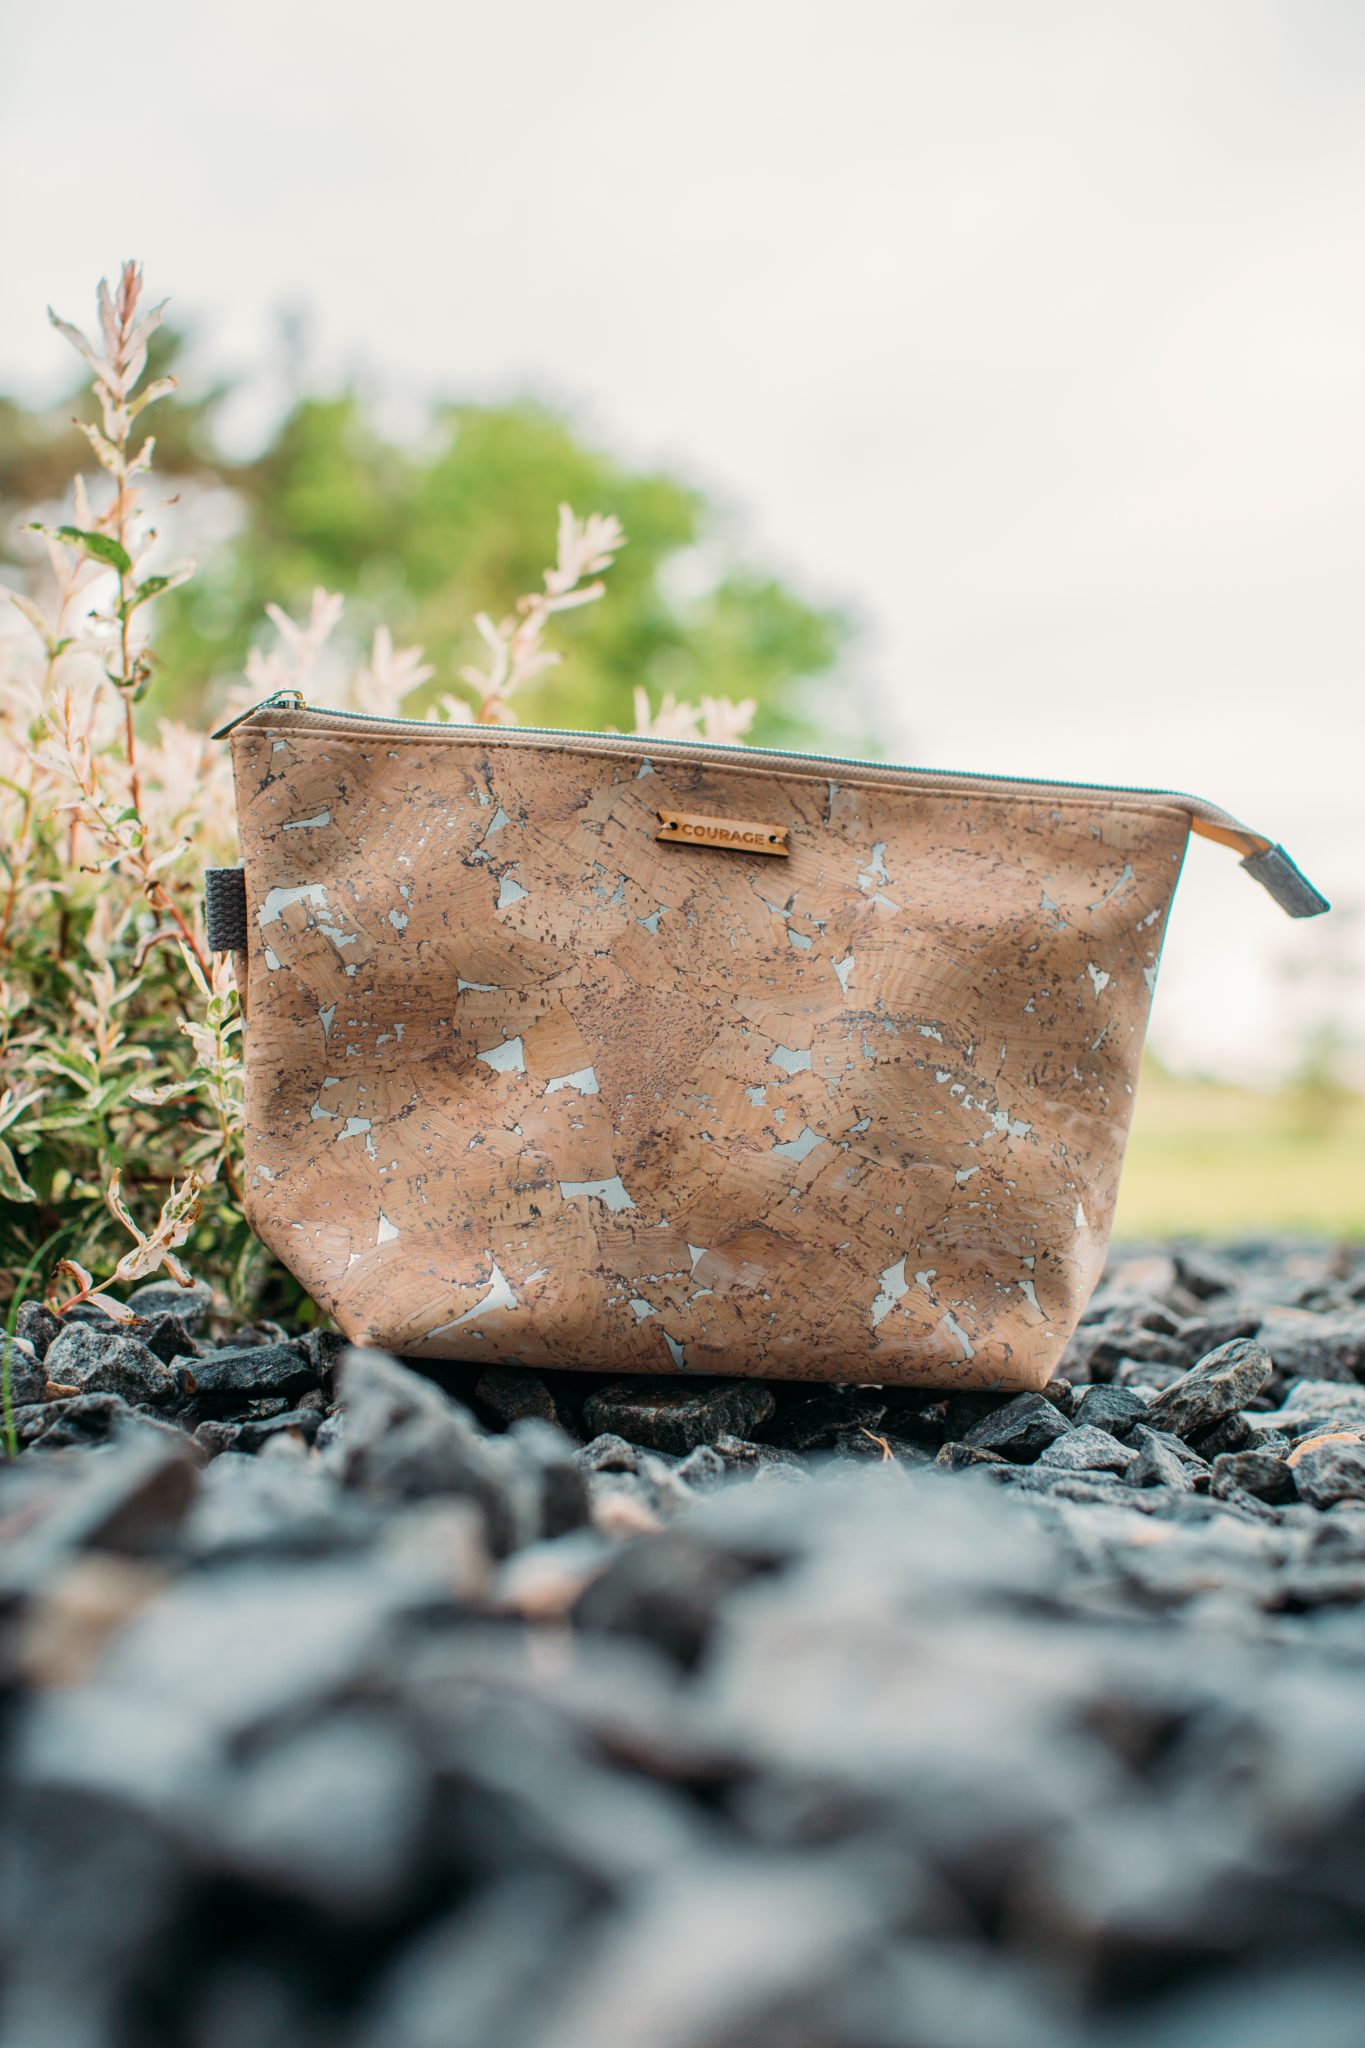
point(282, 700)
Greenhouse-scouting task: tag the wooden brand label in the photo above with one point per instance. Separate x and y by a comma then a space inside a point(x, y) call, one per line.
point(736, 835)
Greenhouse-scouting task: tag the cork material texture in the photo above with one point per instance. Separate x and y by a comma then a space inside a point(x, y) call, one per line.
point(525, 1083)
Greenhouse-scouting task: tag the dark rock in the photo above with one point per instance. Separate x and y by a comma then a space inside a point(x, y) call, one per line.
point(921, 1995)
point(331, 1817)
point(908, 1453)
point(260, 1330)
point(1305, 1587)
point(1149, 1278)
point(1279, 1999)
point(189, 1304)
point(666, 1589)
point(493, 1961)
point(96, 1361)
point(168, 1339)
point(258, 1371)
point(1162, 1460)
point(406, 1440)
point(213, 1438)
point(675, 1416)
point(80, 1844)
point(1145, 1376)
point(1265, 1433)
point(301, 1423)
point(608, 1453)
point(1061, 1483)
point(920, 1419)
point(962, 1411)
point(669, 1493)
point(37, 1326)
point(813, 1422)
point(255, 1644)
point(127, 1498)
point(1313, 1406)
point(954, 1457)
point(324, 1350)
point(21, 1368)
point(820, 1918)
point(1088, 1449)
point(250, 1506)
point(330, 1430)
point(1339, 1538)
point(1108, 1407)
point(31, 1418)
point(1329, 1469)
point(1203, 1334)
point(1204, 1274)
point(1316, 1347)
point(509, 1393)
point(1121, 1343)
point(1233, 1433)
point(623, 1503)
point(84, 1419)
point(704, 1469)
point(548, 1460)
point(1020, 1430)
point(1219, 1385)
point(860, 1443)
point(1084, 1361)
point(1260, 1473)
point(739, 1455)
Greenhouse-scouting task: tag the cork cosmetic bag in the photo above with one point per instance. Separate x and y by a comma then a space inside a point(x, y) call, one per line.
point(625, 1054)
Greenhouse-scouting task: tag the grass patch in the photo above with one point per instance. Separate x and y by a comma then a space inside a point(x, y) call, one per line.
point(1216, 1160)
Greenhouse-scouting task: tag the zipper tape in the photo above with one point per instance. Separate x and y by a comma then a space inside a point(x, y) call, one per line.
point(1264, 860)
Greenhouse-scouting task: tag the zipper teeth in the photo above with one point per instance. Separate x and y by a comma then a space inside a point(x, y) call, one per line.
point(646, 744)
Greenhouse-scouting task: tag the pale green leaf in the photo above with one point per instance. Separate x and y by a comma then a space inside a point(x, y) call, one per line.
point(102, 546)
point(13, 1186)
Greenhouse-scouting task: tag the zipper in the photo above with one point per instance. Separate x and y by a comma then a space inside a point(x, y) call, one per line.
point(1264, 860)
point(293, 700)
point(285, 700)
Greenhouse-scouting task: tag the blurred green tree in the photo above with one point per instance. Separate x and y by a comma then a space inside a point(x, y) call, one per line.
point(423, 532)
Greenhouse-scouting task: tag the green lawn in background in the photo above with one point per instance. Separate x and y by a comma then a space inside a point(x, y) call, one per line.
point(1216, 1161)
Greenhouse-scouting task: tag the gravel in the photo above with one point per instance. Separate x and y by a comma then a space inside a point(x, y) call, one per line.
point(85, 1360)
point(1218, 1386)
point(345, 1709)
point(1329, 1469)
point(1021, 1430)
point(678, 1418)
point(256, 1371)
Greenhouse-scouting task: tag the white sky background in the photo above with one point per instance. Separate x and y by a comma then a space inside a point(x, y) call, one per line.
point(1033, 330)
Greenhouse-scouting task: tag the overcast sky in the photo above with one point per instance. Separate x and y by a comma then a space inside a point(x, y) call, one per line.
point(1033, 331)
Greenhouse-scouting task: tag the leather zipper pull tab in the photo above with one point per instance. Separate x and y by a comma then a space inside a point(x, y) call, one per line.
point(1290, 887)
point(1264, 860)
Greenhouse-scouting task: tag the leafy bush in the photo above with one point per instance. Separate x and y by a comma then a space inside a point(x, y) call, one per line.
point(120, 1068)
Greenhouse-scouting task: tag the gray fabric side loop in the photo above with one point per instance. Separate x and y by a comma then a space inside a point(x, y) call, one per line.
point(1292, 890)
point(225, 909)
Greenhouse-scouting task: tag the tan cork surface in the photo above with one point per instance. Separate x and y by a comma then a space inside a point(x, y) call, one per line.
point(524, 1082)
